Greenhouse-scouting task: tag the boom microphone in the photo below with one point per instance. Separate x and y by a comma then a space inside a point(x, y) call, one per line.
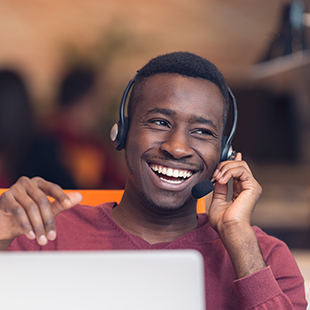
point(202, 188)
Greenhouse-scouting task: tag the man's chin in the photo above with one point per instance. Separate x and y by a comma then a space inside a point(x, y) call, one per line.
point(167, 203)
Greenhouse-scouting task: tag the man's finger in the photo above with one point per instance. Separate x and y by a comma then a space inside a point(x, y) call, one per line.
point(238, 156)
point(32, 194)
point(21, 220)
point(53, 190)
point(73, 199)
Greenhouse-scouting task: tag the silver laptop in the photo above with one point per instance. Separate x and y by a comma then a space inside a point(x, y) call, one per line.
point(110, 280)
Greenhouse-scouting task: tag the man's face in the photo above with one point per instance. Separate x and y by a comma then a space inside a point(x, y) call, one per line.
point(174, 140)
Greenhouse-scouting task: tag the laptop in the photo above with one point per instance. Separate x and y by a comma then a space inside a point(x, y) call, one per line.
point(110, 280)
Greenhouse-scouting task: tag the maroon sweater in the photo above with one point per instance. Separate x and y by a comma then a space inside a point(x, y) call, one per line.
point(279, 286)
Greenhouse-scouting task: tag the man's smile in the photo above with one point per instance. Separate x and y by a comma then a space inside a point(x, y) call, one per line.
point(171, 175)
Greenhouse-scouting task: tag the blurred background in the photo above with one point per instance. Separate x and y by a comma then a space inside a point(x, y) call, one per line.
point(64, 65)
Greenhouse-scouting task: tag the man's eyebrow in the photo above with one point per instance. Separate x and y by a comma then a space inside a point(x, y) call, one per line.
point(193, 119)
point(201, 120)
point(161, 111)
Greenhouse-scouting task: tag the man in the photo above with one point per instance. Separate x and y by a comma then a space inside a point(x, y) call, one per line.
point(177, 114)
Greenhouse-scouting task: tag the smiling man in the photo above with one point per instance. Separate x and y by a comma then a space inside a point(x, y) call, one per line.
point(174, 141)
point(177, 114)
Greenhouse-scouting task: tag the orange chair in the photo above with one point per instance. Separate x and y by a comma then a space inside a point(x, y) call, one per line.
point(95, 197)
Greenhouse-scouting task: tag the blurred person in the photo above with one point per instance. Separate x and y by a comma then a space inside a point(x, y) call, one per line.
point(24, 150)
point(75, 126)
point(16, 125)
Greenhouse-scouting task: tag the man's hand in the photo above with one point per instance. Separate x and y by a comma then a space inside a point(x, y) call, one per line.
point(231, 218)
point(26, 209)
point(224, 214)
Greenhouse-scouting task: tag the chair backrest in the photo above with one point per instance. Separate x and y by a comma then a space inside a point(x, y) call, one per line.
point(94, 197)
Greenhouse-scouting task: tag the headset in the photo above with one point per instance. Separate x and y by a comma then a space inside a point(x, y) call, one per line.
point(120, 129)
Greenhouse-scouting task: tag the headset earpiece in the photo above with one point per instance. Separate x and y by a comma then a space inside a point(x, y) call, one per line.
point(227, 150)
point(119, 131)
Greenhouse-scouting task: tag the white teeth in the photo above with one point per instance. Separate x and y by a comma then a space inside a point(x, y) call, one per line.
point(188, 174)
point(178, 181)
point(176, 173)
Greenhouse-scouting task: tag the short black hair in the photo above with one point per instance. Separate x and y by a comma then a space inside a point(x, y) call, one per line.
point(185, 64)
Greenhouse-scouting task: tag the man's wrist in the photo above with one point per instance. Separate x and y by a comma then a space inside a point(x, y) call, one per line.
point(242, 246)
point(234, 230)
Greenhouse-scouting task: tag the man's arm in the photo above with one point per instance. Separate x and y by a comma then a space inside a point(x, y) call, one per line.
point(257, 286)
point(232, 219)
point(26, 209)
point(279, 286)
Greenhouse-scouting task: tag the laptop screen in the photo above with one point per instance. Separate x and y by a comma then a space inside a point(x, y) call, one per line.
point(113, 280)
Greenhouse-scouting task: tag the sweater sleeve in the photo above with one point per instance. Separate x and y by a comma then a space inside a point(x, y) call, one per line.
point(278, 286)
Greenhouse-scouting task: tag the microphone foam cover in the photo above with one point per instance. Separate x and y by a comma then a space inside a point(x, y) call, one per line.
point(202, 188)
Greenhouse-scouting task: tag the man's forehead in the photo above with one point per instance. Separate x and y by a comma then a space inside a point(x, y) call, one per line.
point(184, 88)
point(161, 84)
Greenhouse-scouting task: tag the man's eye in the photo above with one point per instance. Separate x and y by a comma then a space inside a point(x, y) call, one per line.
point(160, 123)
point(202, 132)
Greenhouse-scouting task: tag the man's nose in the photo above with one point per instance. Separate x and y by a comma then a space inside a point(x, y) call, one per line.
point(177, 144)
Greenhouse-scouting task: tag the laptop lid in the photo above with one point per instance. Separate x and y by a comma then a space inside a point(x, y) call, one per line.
point(113, 280)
